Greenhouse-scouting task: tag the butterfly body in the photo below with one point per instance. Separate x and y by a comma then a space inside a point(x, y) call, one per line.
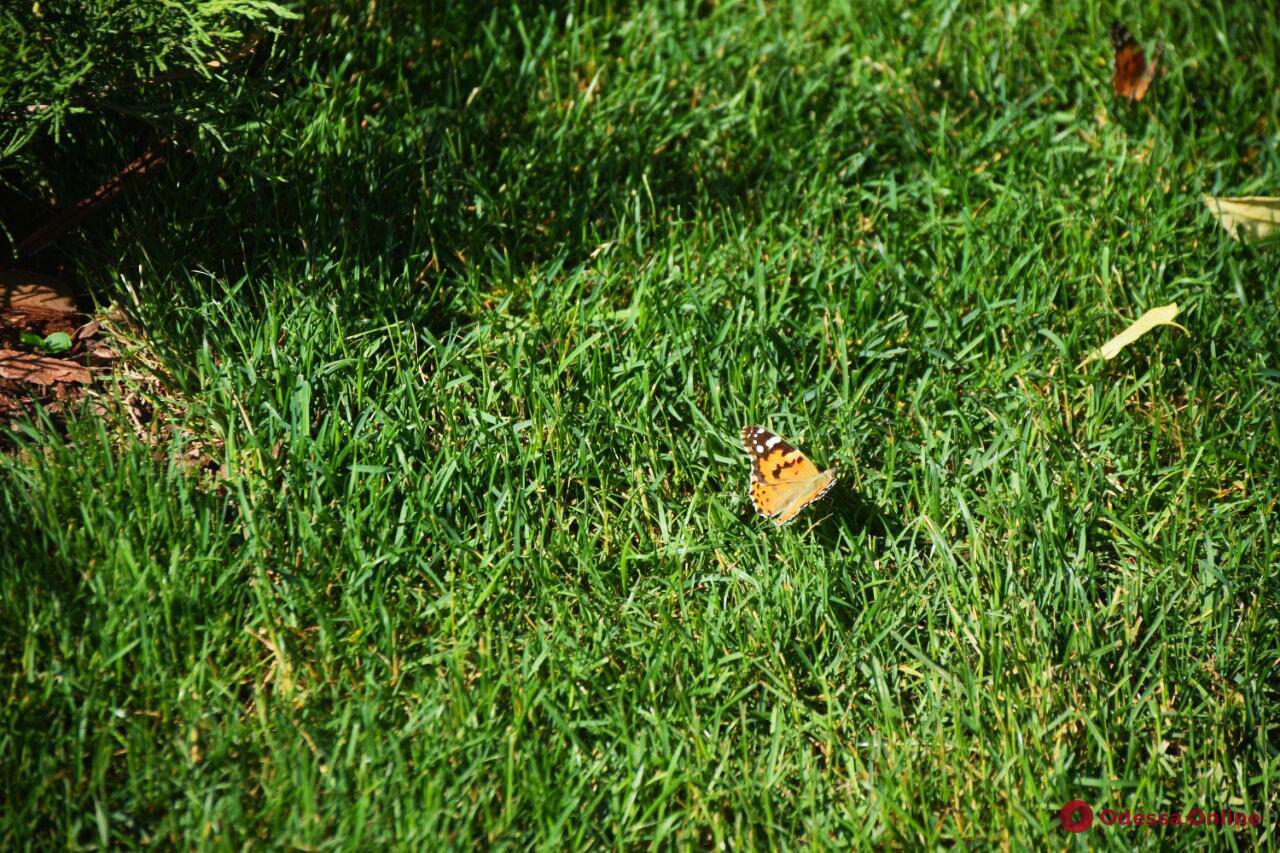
point(783, 480)
point(1133, 74)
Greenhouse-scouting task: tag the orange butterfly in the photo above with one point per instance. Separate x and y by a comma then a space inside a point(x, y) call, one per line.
point(783, 480)
point(1133, 74)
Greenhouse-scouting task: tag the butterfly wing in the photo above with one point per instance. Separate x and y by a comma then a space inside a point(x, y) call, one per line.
point(783, 480)
point(1133, 74)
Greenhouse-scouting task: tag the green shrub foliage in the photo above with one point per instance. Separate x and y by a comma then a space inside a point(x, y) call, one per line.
point(73, 73)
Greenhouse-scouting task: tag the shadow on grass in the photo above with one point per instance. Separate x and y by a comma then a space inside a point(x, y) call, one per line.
point(401, 160)
point(841, 516)
point(845, 514)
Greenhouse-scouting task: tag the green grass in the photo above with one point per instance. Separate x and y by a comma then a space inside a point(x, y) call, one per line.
point(471, 312)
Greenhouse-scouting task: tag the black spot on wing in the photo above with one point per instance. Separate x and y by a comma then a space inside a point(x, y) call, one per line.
point(756, 441)
point(1121, 37)
point(790, 459)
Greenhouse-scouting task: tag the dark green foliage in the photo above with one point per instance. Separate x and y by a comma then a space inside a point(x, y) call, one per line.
point(78, 76)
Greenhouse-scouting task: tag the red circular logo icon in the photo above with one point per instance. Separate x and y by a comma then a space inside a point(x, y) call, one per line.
point(1076, 816)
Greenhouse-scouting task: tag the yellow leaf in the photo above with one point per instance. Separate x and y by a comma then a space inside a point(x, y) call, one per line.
point(1162, 316)
point(1255, 217)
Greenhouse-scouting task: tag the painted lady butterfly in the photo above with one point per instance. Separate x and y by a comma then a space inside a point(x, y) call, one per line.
point(783, 480)
point(1133, 74)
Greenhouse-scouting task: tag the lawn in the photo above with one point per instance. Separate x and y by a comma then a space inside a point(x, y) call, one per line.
point(460, 326)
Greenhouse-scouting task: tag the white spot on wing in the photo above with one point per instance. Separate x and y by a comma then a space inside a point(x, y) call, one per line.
point(772, 441)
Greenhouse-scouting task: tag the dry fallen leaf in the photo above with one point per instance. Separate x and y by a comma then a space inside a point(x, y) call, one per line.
point(40, 370)
point(35, 294)
point(1162, 316)
point(1254, 217)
